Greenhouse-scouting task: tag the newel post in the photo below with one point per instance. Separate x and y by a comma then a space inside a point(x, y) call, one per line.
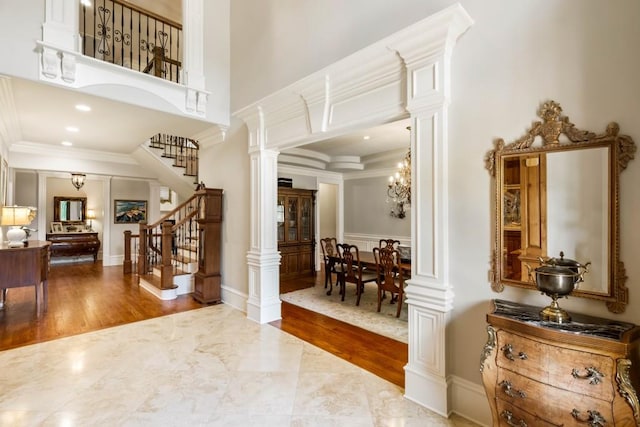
point(126, 263)
point(166, 269)
point(142, 253)
point(208, 279)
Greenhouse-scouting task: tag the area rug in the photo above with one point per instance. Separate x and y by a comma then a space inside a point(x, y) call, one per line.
point(364, 316)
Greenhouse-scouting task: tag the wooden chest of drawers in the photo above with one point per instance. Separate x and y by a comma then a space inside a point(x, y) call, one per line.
point(74, 244)
point(538, 373)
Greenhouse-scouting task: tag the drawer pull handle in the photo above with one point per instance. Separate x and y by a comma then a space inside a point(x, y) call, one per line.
point(593, 375)
point(507, 350)
point(594, 420)
point(508, 417)
point(507, 387)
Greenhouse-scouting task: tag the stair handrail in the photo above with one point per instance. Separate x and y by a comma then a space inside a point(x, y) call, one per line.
point(157, 241)
point(183, 151)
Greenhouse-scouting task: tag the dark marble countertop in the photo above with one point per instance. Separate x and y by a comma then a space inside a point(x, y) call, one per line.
point(579, 325)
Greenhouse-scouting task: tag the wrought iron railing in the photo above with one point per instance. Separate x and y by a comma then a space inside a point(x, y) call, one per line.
point(131, 37)
point(183, 151)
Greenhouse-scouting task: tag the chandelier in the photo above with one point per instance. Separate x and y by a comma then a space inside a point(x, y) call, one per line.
point(77, 179)
point(399, 191)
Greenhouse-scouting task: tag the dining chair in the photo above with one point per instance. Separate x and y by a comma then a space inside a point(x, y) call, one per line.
point(387, 267)
point(329, 247)
point(389, 243)
point(351, 270)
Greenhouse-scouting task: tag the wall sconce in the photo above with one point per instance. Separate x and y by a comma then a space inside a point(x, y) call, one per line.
point(77, 179)
point(17, 217)
point(91, 215)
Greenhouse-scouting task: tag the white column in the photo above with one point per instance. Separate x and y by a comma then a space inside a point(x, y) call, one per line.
point(59, 37)
point(263, 258)
point(193, 30)
point(429, 293)
point(60, 26)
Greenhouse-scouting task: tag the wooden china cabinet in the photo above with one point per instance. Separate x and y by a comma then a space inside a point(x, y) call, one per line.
point(296, 232)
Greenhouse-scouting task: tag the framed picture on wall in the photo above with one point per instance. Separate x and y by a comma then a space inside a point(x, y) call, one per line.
point(129, 211)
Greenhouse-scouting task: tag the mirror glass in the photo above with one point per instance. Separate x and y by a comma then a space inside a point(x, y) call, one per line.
point(556, 202)
point(69, 209)
point(560, 195)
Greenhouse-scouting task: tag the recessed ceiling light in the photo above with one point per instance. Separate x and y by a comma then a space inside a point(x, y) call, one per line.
point(72, 129)
point(83, 107)
point(67, 143)
point(366, 137)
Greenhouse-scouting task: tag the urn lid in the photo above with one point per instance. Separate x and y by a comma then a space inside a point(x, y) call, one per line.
point(555, 270)
point(563, 262)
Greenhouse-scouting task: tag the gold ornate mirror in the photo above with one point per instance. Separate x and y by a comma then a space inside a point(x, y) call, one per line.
point(560, 196)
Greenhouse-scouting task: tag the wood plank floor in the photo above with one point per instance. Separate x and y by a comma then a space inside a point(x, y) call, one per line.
point(83, 297)
point(377, 354)
point(86, 297)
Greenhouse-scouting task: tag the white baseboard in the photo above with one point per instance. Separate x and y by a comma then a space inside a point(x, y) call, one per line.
point(234, 298)
point(469, 400)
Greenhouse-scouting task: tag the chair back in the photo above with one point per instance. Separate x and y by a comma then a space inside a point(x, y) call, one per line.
point(388, 268)
point(350, 260)
point(329, 247)
point(389, 243)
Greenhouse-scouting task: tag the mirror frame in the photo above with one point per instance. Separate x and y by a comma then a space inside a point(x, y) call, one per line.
point(56, 209)
point(553, 124)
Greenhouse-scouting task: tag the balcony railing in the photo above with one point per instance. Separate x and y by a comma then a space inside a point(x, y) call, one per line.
point(131, 37)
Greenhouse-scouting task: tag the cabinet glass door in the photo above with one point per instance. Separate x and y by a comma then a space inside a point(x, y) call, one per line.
point(305, 219)
point(280, 217)
point(292, 219)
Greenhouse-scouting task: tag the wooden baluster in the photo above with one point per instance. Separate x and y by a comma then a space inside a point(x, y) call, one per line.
point(142, 254)
point(126, 263)
point(166, 270)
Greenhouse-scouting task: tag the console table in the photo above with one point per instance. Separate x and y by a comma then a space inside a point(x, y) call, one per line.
point(540, 373)
point(74, 244)
point(26, 266)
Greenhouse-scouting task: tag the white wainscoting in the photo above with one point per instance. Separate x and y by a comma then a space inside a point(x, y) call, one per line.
point(366, 242)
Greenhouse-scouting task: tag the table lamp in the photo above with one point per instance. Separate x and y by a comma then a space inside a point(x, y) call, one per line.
point(91, 215)
point(16, 217)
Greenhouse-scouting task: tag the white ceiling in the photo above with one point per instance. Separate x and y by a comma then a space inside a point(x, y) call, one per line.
point(45, 111)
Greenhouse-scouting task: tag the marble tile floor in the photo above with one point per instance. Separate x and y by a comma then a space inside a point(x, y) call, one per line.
point(204, 367)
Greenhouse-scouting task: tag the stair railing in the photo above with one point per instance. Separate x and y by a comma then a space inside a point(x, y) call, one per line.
point(129, 36)
point(161, 242)
point(183, 151)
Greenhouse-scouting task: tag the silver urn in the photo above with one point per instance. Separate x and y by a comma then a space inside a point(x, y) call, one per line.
point(557, 277)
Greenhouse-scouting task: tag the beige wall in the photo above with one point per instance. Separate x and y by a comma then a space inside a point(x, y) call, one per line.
point(581, 53)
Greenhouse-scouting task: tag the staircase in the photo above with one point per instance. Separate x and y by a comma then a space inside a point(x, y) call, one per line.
point(180, 253)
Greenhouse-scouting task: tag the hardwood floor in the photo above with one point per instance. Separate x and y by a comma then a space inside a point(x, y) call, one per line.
point(82, 298)
point(378, 354)
point(87, 297)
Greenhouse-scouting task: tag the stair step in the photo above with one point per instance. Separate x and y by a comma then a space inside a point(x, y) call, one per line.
point(154, 280)
point(184, 259)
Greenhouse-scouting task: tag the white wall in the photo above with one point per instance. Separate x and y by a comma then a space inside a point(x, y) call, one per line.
point(581, 53)
point(226, 166)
